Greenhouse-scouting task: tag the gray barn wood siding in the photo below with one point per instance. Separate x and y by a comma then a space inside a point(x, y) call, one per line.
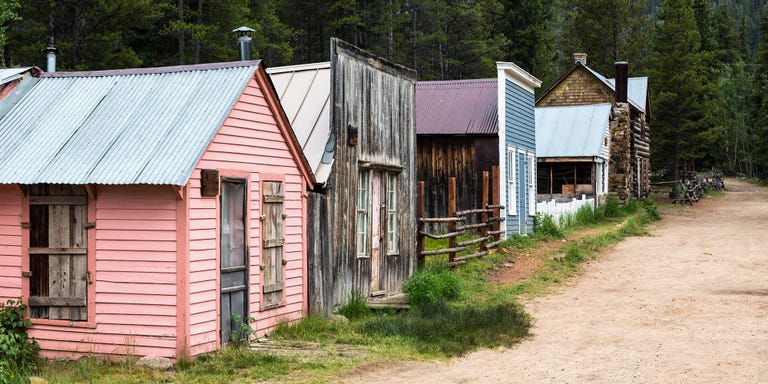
point(376, 98)
point(440, 157)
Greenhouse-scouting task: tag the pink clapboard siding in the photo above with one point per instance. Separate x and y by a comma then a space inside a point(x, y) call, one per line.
point(10, 243)
point(248, 145)
point(134, 277)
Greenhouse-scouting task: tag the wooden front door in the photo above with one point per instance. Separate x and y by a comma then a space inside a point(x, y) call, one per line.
point(234, 260)
point(377, 229)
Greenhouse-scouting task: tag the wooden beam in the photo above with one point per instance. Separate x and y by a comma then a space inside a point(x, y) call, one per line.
point(179, 191)
point(91, 189)
point(24, 189)
point(58, 200)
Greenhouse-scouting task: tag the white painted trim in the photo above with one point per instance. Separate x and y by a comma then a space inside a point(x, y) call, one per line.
point(512, 178)
point(501, 102)
point(532, 184)
point(518, 75)
point(299, 67)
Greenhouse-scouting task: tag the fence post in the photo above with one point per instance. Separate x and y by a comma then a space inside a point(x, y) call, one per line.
point(495, 187)
point(452, 213)
point(484, 229)
point(420, 225)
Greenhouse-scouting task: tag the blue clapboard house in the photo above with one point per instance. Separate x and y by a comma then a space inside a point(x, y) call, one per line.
point(517, 146)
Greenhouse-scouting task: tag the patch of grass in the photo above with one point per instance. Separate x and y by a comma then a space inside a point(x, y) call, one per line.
point(432, 286)
point(611, 208)
point(440, 328)
point(355, 308)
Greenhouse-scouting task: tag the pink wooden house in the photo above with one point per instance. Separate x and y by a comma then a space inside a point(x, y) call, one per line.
point(142, 210)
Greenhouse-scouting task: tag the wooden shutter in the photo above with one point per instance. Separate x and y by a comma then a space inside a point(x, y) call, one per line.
point(58, 252)
point(273, 241)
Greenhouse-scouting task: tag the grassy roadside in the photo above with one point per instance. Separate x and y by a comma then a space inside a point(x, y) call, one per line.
point(456, 311)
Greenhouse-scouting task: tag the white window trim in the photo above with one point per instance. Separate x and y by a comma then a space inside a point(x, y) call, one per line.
point(511, 181)
point(531, 184)
point(392, 224)
point(364, 212)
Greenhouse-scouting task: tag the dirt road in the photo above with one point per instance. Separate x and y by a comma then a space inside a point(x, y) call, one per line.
point(688, 304)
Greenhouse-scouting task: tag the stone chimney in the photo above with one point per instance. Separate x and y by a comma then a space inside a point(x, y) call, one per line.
point(244, 42)
point(580, 58)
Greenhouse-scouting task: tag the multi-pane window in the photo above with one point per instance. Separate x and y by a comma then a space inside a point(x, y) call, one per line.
point(531, 184)
point(392, 213)
point(511, 181)
point(363, 195)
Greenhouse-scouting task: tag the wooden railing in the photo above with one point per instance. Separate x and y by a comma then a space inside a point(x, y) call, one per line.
point(488, 226)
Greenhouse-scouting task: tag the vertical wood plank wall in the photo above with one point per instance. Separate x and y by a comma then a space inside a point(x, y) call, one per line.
point(249, 141)
point(376, 99)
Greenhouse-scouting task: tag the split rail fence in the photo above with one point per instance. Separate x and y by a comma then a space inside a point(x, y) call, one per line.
point(488, 226)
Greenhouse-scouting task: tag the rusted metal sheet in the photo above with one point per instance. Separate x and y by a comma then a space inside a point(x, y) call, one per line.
point(457, 107)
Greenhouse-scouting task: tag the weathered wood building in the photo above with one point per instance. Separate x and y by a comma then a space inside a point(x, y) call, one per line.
point(151, 211)
point(457, 135)
point(629, 173)
point(355, 120)
point(517, 146)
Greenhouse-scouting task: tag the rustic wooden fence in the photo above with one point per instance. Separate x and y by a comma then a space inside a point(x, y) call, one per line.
point(691, 187)
point(488, 227)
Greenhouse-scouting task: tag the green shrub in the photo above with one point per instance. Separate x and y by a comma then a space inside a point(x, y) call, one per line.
point(585, 216)
point(544, 227)
point(355, 308)
point(18, 353)
point(432, 286)
point(631, 206)
point(567, 221)
point(650, 209)
point(611, 207)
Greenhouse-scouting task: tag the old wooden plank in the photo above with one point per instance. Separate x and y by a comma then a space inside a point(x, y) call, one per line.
point(38, 301)
point(473, 241)
point(443, 251)
point(58, 200)
point(442, 236)
point(471, 226)
point(441, 219)
point(59, 251)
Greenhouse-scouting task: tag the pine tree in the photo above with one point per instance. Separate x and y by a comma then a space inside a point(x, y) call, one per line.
point(760, 101)
point(677, 81)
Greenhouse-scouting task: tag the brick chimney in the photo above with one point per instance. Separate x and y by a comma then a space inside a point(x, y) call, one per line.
point(580, 58)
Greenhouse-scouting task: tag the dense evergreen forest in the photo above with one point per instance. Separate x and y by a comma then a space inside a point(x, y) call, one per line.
point(707, 60)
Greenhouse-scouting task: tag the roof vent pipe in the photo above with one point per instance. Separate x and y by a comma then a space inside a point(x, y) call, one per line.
point(51, 54)
point(621, 81)
point(244, 42)
point(580, 58)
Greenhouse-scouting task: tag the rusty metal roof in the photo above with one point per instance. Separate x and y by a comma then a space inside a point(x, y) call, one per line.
point(457, 107)
point(135, 126)
point(304, 91)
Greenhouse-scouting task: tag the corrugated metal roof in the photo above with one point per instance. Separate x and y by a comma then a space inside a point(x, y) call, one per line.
point(137, 126)
point(571, 131)
point(640, 105)
point(11, 74)
point(304, 92)
point(457, 107)
point(637, 90)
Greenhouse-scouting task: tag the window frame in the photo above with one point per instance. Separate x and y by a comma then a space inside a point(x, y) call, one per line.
point(362, 248)
point(531, 184)
point(511, 181)
point(90, 322)
point(393, 247)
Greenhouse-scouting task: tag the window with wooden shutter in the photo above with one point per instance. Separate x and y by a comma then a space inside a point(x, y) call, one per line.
point(58, 252)
point(273, 241)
